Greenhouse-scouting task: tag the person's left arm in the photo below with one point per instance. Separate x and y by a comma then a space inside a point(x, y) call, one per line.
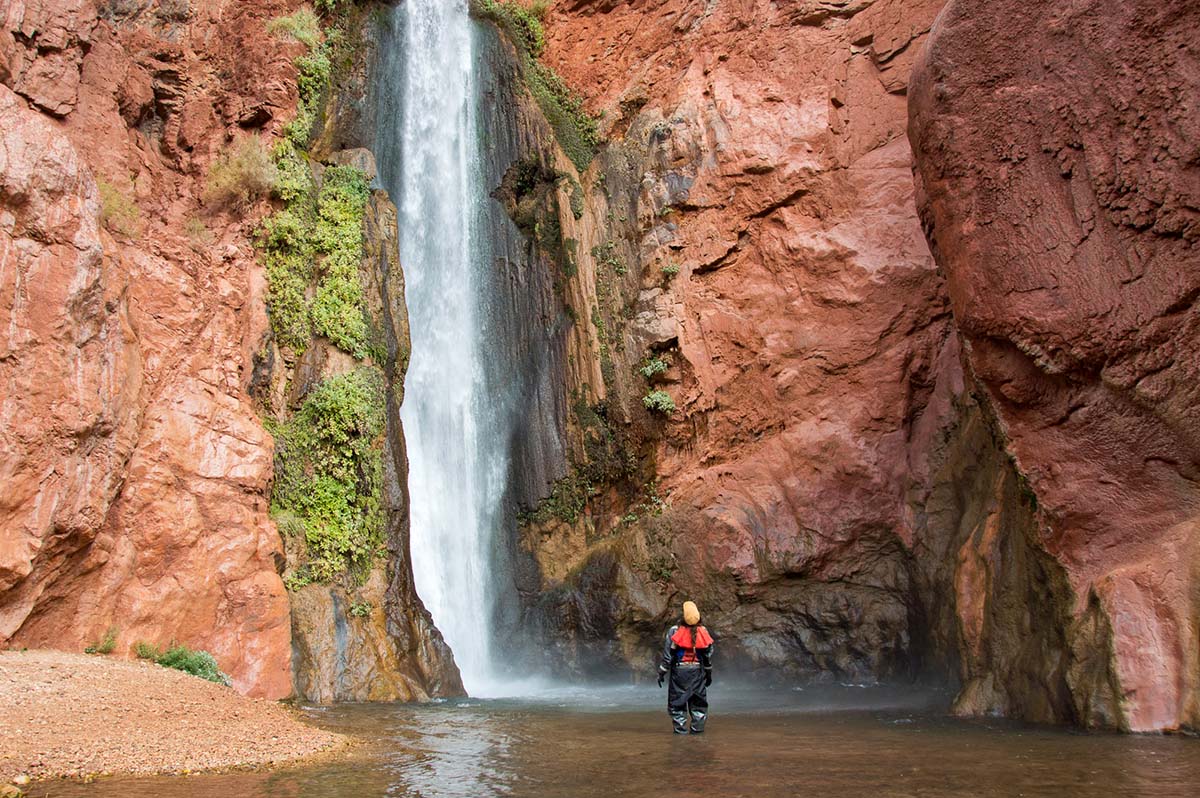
point(706, 659)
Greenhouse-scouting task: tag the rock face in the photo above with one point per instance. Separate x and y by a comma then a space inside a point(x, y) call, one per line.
point(374, 640)
point(846, 500)
point(135, 469)
point(979, 465)
point(758, 149)
point(361, 637)
point(1060, 196)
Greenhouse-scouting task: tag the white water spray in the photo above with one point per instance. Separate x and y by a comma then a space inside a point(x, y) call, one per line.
point(456, 436)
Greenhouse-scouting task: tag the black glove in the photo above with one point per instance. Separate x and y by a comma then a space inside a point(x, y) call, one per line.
point(707, 678)
point(661, 675)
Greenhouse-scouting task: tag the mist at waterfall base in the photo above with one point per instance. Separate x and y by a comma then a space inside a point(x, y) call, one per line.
point(476, 373)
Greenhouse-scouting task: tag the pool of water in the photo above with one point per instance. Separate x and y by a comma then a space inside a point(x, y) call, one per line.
point(843, 741)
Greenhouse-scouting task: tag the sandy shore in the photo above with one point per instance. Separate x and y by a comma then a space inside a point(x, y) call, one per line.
point(74, 715)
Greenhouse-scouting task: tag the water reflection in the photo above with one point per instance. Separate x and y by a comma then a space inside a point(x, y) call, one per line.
point(588, 744)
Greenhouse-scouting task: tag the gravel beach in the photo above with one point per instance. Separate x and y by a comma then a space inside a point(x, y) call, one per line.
point(74, 715)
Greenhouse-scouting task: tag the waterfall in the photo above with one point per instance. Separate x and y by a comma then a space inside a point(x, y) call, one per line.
point(454, 419)
point(485, 402)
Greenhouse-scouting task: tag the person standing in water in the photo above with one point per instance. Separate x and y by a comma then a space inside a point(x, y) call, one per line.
point(687, 662)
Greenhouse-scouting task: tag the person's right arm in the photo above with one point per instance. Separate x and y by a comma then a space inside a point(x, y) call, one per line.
point(668, 654)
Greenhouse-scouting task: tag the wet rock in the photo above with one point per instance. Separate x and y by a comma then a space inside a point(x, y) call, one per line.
point(777, 262)
point(373, 641)
point(343, 650)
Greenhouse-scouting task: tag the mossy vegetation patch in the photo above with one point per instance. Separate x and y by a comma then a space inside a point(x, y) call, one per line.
point(301, 25)
point(324, 34)
point(574, 128)
point(313, 247)
point(327, 494)
point(338, 309)
point(654, 366)
point(329, 476)
point(659, 401)
point(118, 213)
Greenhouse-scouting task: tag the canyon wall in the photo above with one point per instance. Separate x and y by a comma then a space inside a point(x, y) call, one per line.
point(750, 223)
point(1061, 196)
point(838, 483)
point(364, 634)
point(138, 359)
point(134, 466)
point(748, 382)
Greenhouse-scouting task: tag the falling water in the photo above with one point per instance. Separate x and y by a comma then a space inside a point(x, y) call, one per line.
point(453, 420)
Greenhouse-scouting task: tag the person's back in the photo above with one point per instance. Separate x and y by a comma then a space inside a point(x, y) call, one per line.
point(687, 662)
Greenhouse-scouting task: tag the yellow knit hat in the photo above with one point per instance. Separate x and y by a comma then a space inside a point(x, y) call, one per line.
point(691, 613)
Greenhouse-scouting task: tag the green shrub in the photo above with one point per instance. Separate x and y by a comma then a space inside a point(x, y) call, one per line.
point(574, 128)
point(660, 402)
point(670, 270)
point(523, 25)
point(360, 609)
point(301, 25)
point(242, 173)
point(329, 8)
point(653, 367)
point(576, 199)
point(197, 663)
point(316, 235)
point(338, 309)
point(606, 254)
point(329, 475)
point(661, 567)
point(566, 502)
point(144, 650)
point(288, 258)
point(293, 177)
point(105, 645)
point(118, 213)
point(313, 71)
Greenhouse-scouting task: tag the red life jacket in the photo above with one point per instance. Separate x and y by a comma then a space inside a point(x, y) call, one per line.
point(683, 639)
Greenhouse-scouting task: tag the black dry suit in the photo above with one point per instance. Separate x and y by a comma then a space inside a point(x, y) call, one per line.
point(687, 659)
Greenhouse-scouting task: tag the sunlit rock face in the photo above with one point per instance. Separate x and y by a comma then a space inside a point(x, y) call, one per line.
point(134, 467)
point(1060, 196)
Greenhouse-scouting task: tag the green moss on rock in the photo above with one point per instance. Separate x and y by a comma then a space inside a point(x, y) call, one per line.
point(316, 236)
point(574, 128)
point(329, 476)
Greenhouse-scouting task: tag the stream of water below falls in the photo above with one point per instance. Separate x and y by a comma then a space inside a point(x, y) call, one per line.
point(588, 743)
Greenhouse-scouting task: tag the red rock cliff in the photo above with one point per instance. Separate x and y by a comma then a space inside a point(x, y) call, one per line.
point(759, 147)
point(134, 467)
point(1060, 189)
point(844, 497)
